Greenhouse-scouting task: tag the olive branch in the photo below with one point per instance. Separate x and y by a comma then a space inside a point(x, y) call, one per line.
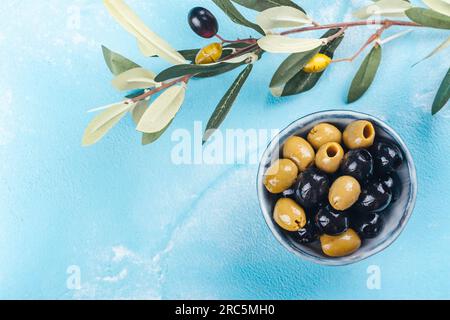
point(307, 61)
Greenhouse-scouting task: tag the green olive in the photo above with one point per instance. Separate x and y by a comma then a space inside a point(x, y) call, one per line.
point(280, 176)
point(209, 54)
point(359, 134)
point(289, 215)
point(341, 245)
point(344, 193)
point(300, 151)
point(317, 64)
point(329, 157)
point(324, 133)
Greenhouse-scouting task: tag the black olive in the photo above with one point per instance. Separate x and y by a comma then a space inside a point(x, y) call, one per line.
point(367, 225)
point(203, 22)
point(331, 222)
point(357, 163)
point(393, 183)
point(289, 193)
point(387, 157)
point(311, 187)
point(307, 234)
point(374, 197)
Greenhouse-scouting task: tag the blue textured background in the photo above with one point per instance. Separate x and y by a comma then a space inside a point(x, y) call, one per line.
point(140, 227)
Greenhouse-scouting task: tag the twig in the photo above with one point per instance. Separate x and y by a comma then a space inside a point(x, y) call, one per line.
point(337, 34)
point(240, 52)
point(372, 38)
point(166, 85)
point(352, 24)
point(249, 40)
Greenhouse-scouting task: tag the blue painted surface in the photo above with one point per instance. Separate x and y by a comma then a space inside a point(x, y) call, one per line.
point(138, 226)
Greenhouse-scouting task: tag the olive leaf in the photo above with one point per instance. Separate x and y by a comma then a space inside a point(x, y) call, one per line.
point(365, 75)
point(185, 69)
point(442, 95)
point(235, 16)
point(224, 106)
point(441, 6)
point(137, 78)
point(117, 63)
point(282, 17)
point(135, 94)
point(138, 110)
point(444, 45)
point(387, 8)
point(104, 122)
point(148, 138)
point(284, 44)
point(291, 66)
point(225, 67)
point(149, 42)
point(303, 81)
point(162, 110)
point(189, 54)
point(429, 18)
point(261, 5)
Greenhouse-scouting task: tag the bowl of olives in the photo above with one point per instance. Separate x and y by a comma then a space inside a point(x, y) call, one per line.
point(337, 187)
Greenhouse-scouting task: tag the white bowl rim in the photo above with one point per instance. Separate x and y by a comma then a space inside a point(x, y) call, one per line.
point(328, 261)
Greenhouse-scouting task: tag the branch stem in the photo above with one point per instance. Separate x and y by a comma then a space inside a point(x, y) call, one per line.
point(253, 45)
point(166, 85)
point(372, 38)
point(352, 24)
point(249, 40)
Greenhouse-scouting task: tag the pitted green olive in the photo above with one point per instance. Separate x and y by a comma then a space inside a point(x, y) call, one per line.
point(280, 176)
point(341, 245)
point(209, 54)
point(344, 193)
point(289, 215)
point(359, 134)
point(329, 157)
point(324, 133)
point(300, 151)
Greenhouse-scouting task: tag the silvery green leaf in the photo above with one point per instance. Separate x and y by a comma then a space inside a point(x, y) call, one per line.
point(135, 94)
point(137, 78)
point(150, 43)
point(444, 45)
point(224, 106)
point(116, 62)
point(249, 56)
point(235, 16)
point(303, 81)
point(429, 18)
point(104, 122)
point(441, 6)
point(365, 75)
point(148, 138)
point(196, 69)
point(443, 94)
point(289, 68)
point(162, 110)
point(246, 57)
point(261, 5)
point(283, 44)
point(387, 8)
point(138, 110)
point(282, 17)
point(189, 54)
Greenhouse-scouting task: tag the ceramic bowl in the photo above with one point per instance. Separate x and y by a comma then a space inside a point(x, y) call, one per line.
point(396, 217)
